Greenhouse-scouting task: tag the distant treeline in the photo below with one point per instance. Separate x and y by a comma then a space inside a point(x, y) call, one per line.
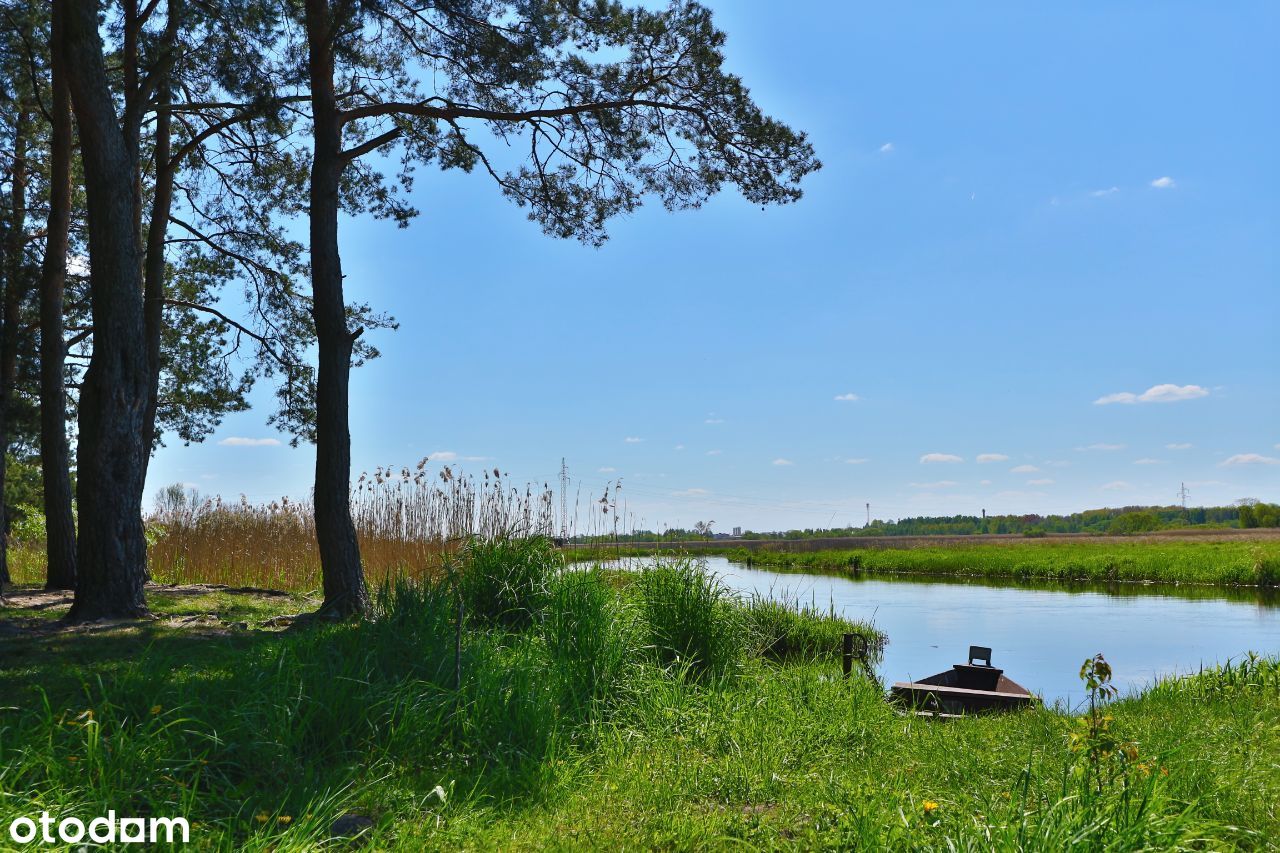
point(1118, 520)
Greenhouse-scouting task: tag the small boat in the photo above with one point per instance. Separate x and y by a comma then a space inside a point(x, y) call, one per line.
point(965, 688)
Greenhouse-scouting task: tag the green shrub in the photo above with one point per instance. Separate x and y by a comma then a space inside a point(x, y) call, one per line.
point(505, 581)
point(692, 618)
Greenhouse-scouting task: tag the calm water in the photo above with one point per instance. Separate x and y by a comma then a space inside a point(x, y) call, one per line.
point(1038, 634)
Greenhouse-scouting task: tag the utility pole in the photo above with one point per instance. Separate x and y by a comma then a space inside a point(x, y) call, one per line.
point(868, 513)
point(564, 499)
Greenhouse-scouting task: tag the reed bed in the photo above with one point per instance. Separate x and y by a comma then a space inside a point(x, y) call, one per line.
point(408, 521)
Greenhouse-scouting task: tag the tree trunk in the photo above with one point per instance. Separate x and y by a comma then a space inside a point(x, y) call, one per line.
point(59, 523)
point(111, 548)
point(10, 309)
point(344, 587)
point(154, 262)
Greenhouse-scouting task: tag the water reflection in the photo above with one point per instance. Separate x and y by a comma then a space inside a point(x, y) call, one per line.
point(1039, 632)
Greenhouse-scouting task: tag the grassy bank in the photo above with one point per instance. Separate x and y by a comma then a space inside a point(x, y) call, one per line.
point(1242, 563)
point(582, 710)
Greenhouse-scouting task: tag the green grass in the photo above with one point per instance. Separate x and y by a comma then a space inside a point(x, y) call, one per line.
point(1251, 563)
point(579, 729)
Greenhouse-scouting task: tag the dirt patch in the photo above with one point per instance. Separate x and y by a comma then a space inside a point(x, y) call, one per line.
point(32, 612)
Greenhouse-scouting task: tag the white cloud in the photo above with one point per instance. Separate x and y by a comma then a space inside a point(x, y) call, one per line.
point(476, 458)
point(1166, 393)
point(781, 461)
point(690, 493)
point(847, 398)
point(1164, 183)
point(992, 457)
point(239, 441)
point(714, 421)
point(679, 447)
point(941, 484)
point(1248, 459)
point(606, 470)
point(1115, 486)
point(1147, 460)
point(930, 458)
point(1043, 481)
point(1101, 446)
point(1056, 463)
point(714, 452)
point(1024, 469)
point(631, 439)
point(887, 148)
point(1102, 193)
point(442, 456)
point(1184, 446)
point(984, 482)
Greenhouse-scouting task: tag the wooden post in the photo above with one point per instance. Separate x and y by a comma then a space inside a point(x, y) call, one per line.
point(847, 659)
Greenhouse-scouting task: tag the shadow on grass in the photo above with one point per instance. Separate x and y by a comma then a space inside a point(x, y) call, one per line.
point(226, 724)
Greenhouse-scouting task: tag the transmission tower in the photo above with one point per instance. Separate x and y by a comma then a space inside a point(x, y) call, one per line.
point(1182, 493)
point(564, 499)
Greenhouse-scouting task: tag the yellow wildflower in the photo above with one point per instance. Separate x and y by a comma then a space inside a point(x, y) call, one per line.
point(284, 820)
point(155, 709)
point(262, 817)
point(930, 807)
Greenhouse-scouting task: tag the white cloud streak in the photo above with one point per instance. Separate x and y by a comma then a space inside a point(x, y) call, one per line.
point(935, 458)
point(992, 457)
point(240, 441)
point(1167, 393)
point(1248, 459)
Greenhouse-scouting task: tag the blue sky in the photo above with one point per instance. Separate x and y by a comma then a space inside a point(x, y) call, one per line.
point(1024, 209)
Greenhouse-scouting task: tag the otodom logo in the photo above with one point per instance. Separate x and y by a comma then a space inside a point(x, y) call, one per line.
point(99, 830)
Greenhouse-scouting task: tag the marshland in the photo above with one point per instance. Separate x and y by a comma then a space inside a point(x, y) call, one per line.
point(499, 694)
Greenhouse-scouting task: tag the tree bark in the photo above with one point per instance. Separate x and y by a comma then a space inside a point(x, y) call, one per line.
point(345, 593)
point(111, 548)
point(154, 262)
point(59, 522)
point(10, 309)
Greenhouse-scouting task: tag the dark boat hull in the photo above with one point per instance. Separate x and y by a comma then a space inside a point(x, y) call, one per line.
point(963, 689)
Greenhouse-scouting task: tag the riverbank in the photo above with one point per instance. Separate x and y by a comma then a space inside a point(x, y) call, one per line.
point(593, 710)
point(1225, 562)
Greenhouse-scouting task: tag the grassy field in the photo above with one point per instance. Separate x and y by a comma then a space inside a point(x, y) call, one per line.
point(1228, 562)
point(589, 710)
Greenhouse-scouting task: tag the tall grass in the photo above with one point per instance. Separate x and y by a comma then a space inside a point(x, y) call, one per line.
point(407, 522)
point(581, 728)
point(785, 630)
point(692, 619)
point(1253, 563)
point(505, 581)
point(592, 634)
